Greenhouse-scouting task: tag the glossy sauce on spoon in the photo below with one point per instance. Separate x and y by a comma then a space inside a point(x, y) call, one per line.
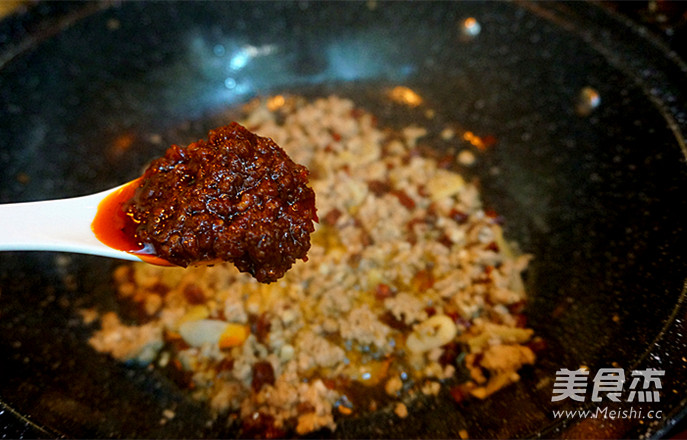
point(116, 229)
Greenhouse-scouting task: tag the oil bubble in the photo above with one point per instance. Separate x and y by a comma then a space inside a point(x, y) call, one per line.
point(587, 100)
point(230, 83)
point(470, 28)
point(219, 50)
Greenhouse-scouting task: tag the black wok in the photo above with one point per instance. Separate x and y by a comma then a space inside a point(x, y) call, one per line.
point(597, 196)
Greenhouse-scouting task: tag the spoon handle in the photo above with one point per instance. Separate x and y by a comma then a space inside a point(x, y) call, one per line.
point(55, 225)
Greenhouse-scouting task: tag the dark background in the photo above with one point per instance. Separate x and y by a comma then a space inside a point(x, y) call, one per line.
point(667, 20)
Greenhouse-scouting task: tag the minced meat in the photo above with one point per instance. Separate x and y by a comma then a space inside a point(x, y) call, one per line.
point(236, 197)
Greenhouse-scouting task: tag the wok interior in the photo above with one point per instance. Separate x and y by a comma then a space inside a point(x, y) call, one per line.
point(597, 198)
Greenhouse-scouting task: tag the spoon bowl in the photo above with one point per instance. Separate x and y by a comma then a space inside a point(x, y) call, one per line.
point(62, 225)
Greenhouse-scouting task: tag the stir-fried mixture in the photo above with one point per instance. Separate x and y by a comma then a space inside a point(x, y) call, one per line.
point(409, 281)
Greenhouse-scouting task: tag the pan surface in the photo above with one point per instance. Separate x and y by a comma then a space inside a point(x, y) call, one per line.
point(596, 194)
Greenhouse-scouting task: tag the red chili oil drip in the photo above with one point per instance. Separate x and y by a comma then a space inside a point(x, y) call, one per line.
point(113, 227)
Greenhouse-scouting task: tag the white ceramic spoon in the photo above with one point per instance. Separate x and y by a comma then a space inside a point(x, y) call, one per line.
point(56, 225)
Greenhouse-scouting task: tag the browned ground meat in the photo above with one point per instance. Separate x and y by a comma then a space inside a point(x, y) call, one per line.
point(236, 197)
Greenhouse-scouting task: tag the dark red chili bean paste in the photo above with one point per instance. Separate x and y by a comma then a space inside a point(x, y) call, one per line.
point(236, 197)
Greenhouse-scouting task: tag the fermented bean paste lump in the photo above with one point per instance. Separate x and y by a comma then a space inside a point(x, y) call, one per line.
point(236, 197)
